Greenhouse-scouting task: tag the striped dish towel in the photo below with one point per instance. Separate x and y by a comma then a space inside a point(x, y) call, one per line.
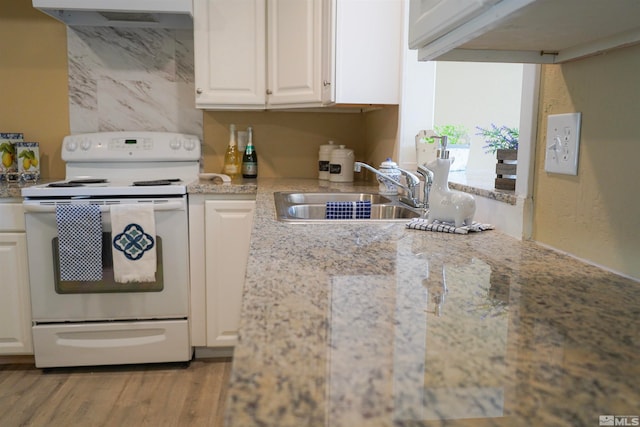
point(421, 224)
point(348, 210)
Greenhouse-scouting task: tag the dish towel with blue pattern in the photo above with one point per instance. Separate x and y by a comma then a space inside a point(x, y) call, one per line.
point(444, 227)
point(133, 242)
point(79, 242)
point(360, 209)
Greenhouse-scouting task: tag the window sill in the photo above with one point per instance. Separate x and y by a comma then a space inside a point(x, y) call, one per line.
point(480, 184)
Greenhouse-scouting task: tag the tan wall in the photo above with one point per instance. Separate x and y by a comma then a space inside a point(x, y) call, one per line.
point(596, 214)
point(287, 142)
point(33, 80)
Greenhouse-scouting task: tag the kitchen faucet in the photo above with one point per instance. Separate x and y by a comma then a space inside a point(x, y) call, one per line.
point(413, 182)
point(428, 181)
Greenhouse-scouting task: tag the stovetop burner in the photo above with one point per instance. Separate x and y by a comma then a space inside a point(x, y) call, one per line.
point(157, 182)
point(153, 182)
point(65, 184)
point(77, 182)
point(88, 181)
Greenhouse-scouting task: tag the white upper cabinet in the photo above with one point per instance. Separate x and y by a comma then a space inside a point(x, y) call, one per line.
point(230, 52)
point(270, 54)
point(367, 52)
point(294, 53)
point(528, 31)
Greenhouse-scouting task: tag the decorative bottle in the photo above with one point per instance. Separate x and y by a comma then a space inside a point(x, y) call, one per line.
point(250, 158)
point(231, 156)
point(390, 169)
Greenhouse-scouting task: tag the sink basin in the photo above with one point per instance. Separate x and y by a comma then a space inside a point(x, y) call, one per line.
point(311, 207)
point(322, 198)
point(378, 212)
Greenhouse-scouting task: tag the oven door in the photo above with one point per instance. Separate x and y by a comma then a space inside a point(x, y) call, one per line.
point(54, 300)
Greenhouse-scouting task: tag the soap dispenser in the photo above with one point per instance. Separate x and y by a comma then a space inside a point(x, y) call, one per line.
point(446, 205)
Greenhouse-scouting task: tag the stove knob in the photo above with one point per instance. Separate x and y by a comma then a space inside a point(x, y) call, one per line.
point(175, 144)
point(189, 144)
point(71, 145)
point(85, 144)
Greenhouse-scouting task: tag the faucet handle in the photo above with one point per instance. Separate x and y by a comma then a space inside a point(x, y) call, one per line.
point(424, 171)
point(412, 180)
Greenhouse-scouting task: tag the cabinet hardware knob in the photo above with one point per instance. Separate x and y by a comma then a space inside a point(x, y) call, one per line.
point(326, 83)
point(199, 91)
point(269, 92)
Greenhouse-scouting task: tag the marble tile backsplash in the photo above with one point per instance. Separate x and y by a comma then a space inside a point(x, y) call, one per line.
point(131, 79)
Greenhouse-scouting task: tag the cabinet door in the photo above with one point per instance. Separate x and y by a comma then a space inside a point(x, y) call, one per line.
point(294, 52)
point(229, 46)
point(368, 51)
point(15, 308)
point(227, 232)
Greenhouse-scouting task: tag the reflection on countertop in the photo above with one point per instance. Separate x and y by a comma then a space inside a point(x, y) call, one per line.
point(377, 325)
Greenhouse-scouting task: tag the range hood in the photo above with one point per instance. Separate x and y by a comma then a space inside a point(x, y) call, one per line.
point(120, 13)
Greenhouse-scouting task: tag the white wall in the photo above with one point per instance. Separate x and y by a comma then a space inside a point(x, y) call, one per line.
point(417, 101)
point(478, 94)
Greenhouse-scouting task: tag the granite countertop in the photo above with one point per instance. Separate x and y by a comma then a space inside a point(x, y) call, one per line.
point(372, 324)
point(209, 186)
point(12, 190)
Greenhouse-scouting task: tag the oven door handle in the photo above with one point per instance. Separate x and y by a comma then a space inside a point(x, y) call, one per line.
point(50, 208)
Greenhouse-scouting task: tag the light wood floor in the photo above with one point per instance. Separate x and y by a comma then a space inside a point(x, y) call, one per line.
point(137, 395)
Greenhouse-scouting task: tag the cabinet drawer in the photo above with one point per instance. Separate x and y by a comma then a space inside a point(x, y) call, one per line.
point(11, 217)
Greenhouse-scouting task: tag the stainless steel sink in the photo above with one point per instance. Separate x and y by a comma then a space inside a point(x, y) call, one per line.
point(322, 198)
point(311, 206)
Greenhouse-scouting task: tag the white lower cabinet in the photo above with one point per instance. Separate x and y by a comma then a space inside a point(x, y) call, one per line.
point(220, 233)
point(15, 304)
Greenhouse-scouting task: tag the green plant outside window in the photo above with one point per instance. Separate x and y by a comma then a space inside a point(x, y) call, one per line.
point(456, 134)
point(498, 138)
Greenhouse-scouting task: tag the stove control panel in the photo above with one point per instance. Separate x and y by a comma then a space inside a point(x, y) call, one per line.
point(130, 146)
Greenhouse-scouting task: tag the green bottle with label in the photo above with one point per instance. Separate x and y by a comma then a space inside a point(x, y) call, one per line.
point(250, 158)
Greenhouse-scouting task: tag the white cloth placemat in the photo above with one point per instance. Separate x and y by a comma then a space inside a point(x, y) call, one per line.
point(443, 227)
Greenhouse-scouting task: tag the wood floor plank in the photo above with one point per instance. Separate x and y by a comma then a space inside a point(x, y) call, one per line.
point(122, 396)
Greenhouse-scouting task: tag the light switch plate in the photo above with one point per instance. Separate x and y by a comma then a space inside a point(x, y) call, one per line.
point(563, 143)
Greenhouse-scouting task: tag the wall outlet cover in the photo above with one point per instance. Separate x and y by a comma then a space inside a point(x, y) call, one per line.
point(563, 143)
